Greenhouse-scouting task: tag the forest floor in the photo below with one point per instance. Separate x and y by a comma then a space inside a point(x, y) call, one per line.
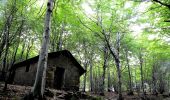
point(16, 92)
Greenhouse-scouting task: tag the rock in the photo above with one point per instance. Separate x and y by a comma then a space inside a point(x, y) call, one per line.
point(165, 95)
point(130, 93)
point(61, 96)
point(48, 93)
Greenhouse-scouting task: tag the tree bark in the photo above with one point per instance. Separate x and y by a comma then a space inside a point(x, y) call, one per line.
point(7, 26)
point(104, 67)
point(60, 42)
point(109, 82)
point(39, 84)
point(141, 72)
point(129, 73)
point(29, 49)
point(117, 61)
point(85, 75)
point(154, 90)
point(115, 53)
point(161, 3)
point(91, 76)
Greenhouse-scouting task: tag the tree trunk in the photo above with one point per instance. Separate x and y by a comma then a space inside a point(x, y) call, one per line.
point(60, 42)
point(117, 61)
point(154, 90)
point(104, 68)
point(8, 23)
point(115, 53)
point(85, 75)
point(129, 73)
point(39, 84)
point(161, 84)
point(109, 82)
point(4, 62)
point(29, 49)
point(141, 72)
point(119, 79)
point(6, 46)
point(91, 77)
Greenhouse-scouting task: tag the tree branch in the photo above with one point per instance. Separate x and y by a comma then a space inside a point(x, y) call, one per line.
point(89, 28)
point(164, 4)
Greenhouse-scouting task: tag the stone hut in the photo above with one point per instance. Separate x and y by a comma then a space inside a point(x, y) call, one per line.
point(63, 71)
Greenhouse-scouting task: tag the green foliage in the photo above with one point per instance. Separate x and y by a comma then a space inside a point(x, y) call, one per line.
point(143, 31)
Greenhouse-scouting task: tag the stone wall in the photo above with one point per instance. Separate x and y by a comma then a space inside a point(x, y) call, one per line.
point(71, 74)
point(25, 78)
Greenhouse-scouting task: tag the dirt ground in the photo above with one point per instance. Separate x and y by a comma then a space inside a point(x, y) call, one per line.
point(16, 92)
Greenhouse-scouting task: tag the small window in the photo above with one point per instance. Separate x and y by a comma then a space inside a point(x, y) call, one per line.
point(27, 68)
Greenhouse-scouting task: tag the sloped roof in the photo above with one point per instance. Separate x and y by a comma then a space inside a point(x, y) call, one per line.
point(65, 53)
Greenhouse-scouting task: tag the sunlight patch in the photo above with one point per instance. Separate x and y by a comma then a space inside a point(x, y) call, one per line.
point(88, 10)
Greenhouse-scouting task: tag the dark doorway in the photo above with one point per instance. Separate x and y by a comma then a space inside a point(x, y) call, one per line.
point(58, 77)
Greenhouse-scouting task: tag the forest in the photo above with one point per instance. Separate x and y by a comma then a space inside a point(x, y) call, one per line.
point(123, 47)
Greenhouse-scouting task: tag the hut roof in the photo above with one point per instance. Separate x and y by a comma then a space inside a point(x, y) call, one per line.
point(65, 53)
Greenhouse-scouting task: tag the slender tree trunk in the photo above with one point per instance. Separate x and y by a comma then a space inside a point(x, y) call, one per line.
point(141, 72)
point(29, 49)
point(39, 84)
point(4, 62)
point(91, 77)
point(91, 87)
point(6, 46)
point(85, 63)
point(109, 80)
point(12, 63)
point(115, 53)
point(129, 73)
point(104, 68)
point(118, 66)
point(15, 53)
point(169, 85)
point(161, 84)
point(5, 36)
point(119, 79)
point(154, 90)
point(7, 27)
point(2, 46)
point(85, 75)
point(18, 42)
point(99, 84)
point(60, 42)
point(23, 49)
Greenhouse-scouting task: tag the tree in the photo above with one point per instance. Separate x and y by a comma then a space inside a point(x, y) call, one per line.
point(129, 72)
point(39, 84)
point(141, 69)
point(87, 28)
point(104, 67)
point(162, 3)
